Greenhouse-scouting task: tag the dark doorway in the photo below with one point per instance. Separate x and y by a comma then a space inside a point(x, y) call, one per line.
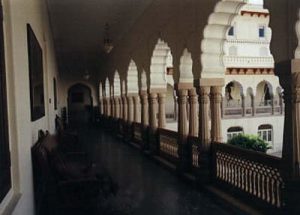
point(80, 104)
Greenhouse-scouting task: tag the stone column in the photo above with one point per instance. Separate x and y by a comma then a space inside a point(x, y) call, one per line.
point(223, 108)
point(117, 108)
point(183, 151)
point(104, 107)
point(130, 109)
point(137, 109)
point(120, 108)
point(145, 110)
point(108, 107)
point(203, 134)
point(281, 104)
point(273, 106)
point(253, 105)
point(243, 106)
point(182, 113)
point(124, 99)
point(162, 110)
point(193, 122)
point(216, 99)
point(101, 106)
point(289, 76)
point(112, 107)
point(152, 143)
point(152, 110)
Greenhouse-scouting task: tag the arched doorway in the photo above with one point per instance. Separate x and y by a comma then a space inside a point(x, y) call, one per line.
point(80, 103)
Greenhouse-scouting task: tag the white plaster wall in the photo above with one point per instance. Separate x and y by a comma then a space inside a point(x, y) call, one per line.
point(250, 126)
point(23, 132)
point(251, 51)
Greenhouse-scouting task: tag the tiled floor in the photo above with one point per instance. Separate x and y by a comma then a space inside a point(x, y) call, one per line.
point(145, 187)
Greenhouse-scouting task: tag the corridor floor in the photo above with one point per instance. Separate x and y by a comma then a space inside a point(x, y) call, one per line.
point(144, 187)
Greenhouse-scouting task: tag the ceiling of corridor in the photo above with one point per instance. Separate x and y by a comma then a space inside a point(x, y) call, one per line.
point(78, 26)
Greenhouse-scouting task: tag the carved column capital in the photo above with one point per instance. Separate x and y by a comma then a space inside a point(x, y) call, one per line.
point(193, 97)
point(153, 98)
point(216, 94)
point(203, 93)
point(182, 96)
point(161, 98)
point(144, 98)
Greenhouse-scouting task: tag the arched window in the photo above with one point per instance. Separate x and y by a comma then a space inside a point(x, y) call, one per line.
point(231, 31)
point(261, 31)
point(265, 132)
point(264, 93)
point(233, 94)
point(234, 131)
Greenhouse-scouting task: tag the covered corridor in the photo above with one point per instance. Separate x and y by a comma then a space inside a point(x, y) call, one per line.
point(179, 80)
point(144, 186)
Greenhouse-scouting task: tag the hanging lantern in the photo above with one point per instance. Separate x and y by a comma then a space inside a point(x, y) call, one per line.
point(107, 43)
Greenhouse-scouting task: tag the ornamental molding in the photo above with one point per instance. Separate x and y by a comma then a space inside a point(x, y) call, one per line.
point(250, 71)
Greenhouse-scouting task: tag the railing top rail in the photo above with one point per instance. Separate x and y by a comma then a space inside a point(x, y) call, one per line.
point(168, 132)
point(248, 154)
point(136, 124)
point(194, 140)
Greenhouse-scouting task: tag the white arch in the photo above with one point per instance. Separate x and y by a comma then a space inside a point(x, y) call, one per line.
point(236, 83)
point(159, 60)
point(186, 67)
point(258, 92)
point(216, 42)
point(117, 83)
point(132, 78)
point(143, 81)
point(297, 52)
point(107, 88)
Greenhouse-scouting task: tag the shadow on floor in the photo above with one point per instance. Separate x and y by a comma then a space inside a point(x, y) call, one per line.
point(144, 187)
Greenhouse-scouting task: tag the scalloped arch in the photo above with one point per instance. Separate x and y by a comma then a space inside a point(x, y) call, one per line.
point(216, 42)
point(161, 58)
point(132, 78)
point(144, 81)
point(107, 88)
point(117, 83)
point(186, 67)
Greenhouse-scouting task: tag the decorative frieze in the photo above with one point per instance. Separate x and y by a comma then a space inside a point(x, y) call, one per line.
point(249, 71)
